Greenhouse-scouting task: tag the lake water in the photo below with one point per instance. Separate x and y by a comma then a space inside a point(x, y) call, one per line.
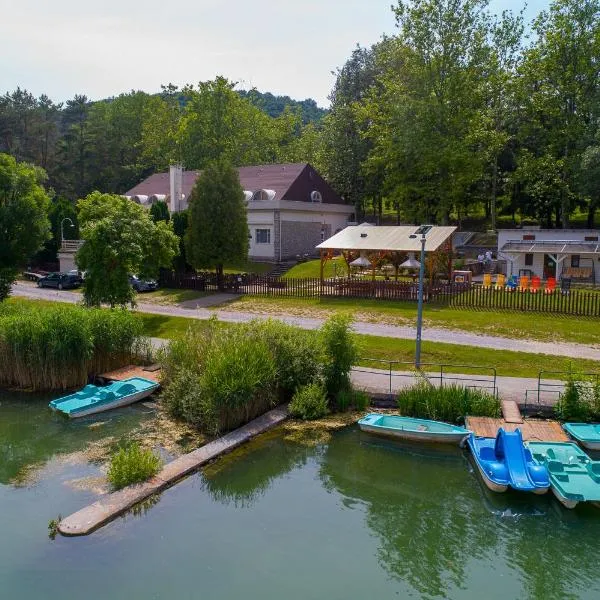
point(353, 517)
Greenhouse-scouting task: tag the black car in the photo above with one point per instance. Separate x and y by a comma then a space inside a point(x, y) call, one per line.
point(61, 281)
point(142, 285)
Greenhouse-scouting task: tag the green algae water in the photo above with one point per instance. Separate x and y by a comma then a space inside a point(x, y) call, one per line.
point(353, 517)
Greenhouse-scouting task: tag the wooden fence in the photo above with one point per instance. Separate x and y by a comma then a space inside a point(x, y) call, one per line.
point(459, 295)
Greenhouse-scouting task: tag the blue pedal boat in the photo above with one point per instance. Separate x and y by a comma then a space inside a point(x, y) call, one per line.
point(416, 430)
point(587, 434)
point(93, 399)
point(504, 461)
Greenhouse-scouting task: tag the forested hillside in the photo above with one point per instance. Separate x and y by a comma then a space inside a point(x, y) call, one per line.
point(459, 116)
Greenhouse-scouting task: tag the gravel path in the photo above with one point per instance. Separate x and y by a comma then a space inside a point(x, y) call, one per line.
point(430, 334)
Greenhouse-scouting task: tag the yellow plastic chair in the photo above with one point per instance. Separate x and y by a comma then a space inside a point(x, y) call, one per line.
point(487, 281)
point(500, 281)
point(523, 283)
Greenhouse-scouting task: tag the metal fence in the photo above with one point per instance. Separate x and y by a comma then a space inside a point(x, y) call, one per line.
point(484, 378)
point(457, 295)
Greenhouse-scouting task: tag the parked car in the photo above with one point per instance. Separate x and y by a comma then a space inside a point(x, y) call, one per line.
point(142, 285)
point(61, 281)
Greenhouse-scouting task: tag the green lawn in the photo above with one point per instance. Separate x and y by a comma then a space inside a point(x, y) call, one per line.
point(511, 364)
point(249, 267)
point(536, 326)
point(312, 268)
point(171, 296)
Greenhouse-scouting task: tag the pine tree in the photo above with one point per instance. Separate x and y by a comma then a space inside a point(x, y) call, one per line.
point(217, 233)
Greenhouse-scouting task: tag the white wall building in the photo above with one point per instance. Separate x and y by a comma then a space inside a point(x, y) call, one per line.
point(291, 208)
point(560, 253)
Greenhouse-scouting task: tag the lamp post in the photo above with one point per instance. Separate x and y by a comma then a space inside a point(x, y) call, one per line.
point(422, 231)
point(62, 231)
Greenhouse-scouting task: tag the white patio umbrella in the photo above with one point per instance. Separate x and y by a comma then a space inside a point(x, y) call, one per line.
point(361, 261)
point(411, 262)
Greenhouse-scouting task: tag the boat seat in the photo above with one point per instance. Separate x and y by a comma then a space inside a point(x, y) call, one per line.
point(554, 466)
point(126, 389)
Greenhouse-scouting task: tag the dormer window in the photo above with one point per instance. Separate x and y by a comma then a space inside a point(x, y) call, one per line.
point(263, 195)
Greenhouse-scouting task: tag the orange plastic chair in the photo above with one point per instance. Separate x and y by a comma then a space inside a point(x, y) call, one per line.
point(535, 284)
point(500, 281)
point(523, 283)
point(550, 285)
point(487, 281)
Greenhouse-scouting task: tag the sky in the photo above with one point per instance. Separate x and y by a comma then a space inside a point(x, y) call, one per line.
point(100, 49)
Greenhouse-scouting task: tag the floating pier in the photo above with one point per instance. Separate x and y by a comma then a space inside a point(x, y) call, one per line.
point(112, 505)
point(533, 430)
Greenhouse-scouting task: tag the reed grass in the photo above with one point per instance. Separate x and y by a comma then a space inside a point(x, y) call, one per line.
point(132, 465)
point(44, 348)
point(218, 378)
point(450, 403)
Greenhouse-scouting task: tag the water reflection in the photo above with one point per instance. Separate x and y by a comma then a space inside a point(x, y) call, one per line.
point(417, 505)
point(31, 434)
point(434, 520)
point(243, 477)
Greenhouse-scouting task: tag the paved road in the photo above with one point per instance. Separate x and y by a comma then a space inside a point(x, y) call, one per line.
point(430, 334)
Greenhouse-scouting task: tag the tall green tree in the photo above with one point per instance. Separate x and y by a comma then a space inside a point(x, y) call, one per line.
point(420, 124)
point(560, 94)
point(24, 224)
point(217, 232)
point(120, 239)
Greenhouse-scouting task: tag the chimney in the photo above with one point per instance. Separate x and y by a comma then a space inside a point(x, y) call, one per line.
point(176, 187)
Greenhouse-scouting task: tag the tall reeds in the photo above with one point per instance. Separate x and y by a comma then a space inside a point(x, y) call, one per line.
point(449, 403)
point(220, 378)
point(58, 347)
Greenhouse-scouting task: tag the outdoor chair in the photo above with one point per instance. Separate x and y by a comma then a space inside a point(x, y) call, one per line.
point(535, 284)
point(565, 286)
point(487, 281)
point(500, 281)
point(524, 283)
point(550, 285)
point(512, 283)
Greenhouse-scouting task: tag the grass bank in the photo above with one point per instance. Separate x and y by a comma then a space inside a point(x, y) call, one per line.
point(508, 363)
point(510, 324)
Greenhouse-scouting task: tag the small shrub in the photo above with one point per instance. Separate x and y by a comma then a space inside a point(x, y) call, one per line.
point(574, 404)
point(309, 402)
point(132, 465)
point(340, 353)
point(447, 403)
point(361, 400)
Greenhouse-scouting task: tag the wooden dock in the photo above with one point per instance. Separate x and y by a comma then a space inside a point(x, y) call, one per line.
point(533, 430)
point(511, 411)
point(151, 372)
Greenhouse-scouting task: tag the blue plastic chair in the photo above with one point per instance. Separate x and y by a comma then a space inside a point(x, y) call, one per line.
point(513, 283)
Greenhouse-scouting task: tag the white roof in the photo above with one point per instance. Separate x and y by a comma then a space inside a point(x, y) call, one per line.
point(395, 239)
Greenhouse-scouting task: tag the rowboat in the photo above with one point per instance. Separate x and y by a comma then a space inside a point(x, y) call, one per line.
point(505, 462)
point(93, 399)
point(417, 430)
point(574, 476)
point(587, 434)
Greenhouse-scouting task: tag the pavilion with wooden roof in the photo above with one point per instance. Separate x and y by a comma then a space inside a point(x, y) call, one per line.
point(371, 245)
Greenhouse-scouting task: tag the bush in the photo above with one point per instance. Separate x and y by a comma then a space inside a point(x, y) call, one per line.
point(132, 465)
point(352, 398)
point(297, 353)
point(447, 403)
point(309, 402)
point(580, 400)
point(58, 347)
point(340, 353)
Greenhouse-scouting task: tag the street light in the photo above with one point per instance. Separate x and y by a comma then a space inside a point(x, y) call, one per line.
point(422, 231)
point(62, 231)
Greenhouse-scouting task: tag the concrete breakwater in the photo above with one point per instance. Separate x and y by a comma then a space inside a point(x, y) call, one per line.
point(90, 518)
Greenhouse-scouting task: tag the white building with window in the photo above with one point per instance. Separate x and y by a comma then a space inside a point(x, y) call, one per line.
point(560, 253)
point(291, 208)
